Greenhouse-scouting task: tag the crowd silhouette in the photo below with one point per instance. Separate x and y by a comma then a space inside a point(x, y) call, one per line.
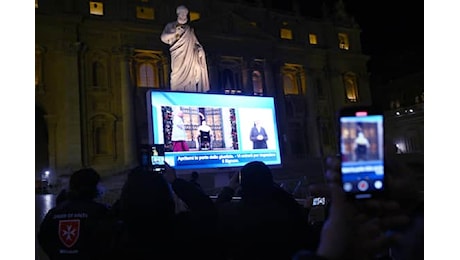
point(162, 216)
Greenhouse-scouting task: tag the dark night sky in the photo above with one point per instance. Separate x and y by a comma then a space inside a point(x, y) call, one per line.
point(392, 32)
point(402, 19)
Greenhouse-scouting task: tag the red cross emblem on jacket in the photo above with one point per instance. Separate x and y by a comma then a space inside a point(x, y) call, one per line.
point(69, 231)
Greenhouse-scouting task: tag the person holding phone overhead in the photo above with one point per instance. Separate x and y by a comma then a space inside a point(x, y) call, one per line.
point(258, 136)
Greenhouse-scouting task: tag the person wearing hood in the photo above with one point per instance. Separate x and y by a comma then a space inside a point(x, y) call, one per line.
point(267, 217)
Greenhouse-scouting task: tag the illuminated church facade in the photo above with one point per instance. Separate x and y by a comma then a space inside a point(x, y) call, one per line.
point(95, 61)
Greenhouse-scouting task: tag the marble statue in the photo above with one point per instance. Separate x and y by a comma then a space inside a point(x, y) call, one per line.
point(189, 70)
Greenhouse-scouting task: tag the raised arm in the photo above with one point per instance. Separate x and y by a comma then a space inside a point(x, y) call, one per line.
point(168, 35)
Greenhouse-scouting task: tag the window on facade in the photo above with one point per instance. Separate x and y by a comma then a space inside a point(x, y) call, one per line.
point(257, 83)
point(149, 70)
point(146, 75)
point(286, 33)
point(290, 85)
point(100, 138)
point(230, 75)
point(146, 13)
point(293, 79)
point(312, 39)
point(229, 81)
point(194, 16)
point(351, 87)
point(96, 8)
point(344, 43)
point(102, 133)
point(36, 3)
point(97, 69)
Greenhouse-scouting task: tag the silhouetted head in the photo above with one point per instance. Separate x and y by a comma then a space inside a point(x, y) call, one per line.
point(83, 184)
point(146, 195)
point(195, 175)
point(256, 179)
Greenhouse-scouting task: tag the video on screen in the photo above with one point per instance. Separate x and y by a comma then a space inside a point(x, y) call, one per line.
point(362, 152)
point(202, 130)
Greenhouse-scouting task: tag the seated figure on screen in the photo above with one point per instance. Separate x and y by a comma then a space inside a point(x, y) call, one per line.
point(204, 136)
point(178, 135)
point(258, 136)
point(189, 70)
point(361, 145)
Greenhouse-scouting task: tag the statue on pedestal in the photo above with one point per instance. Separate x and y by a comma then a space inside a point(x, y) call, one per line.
point(189, 71)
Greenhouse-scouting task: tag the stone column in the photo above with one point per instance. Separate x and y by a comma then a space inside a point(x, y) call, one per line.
point(66, 85)
point(272, 79)
point(127, 106)
point(314, 140)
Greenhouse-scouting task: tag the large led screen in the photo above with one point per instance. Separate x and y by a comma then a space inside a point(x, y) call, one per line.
point(201, 130)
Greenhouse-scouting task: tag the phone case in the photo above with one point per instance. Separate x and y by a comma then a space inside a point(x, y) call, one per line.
point(361, 142)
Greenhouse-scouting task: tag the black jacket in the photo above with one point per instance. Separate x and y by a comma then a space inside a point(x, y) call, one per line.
point(150, 227)
point(71, 230)
point(271, 227)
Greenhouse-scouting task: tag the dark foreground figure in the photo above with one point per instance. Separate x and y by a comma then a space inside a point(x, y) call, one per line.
point(73, 229)
point(160, 216)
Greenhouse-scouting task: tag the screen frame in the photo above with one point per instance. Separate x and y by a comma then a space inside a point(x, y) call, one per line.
point(158, 159)
point(373, 171)
point(244, 107)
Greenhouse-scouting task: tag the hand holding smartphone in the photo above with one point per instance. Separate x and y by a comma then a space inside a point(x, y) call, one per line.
point(153, 157)
point(169, 173)
point(158, 158)
point(319, 201)
point(361, 142)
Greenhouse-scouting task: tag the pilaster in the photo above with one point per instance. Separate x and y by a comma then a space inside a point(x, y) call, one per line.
point(127, 117)
point(67, 110)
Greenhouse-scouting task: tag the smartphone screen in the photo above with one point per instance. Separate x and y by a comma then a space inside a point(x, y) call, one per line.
point(362, 152)
point(158, 157)
point(319, 201)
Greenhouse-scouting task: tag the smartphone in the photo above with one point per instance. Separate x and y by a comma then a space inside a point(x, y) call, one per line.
point(152, 157)
point(158, 158)
point(317, 213)
point(361, 142)
point(319, 201)
point(145, 154)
